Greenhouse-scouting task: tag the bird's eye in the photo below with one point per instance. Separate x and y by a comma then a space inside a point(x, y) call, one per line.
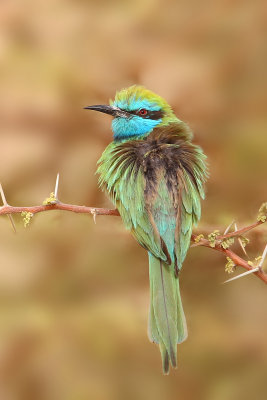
point(142, 112)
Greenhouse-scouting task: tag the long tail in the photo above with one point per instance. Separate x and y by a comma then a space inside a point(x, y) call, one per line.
point(167, 324)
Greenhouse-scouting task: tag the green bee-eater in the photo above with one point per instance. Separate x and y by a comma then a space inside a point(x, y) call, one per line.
point(155, 176)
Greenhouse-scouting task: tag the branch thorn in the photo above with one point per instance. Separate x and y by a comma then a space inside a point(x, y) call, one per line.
point(263, 256)
point(56, 186)
point(251, 271)
point(228, 227)
point(240, 242)
point(93, 212)
point(6, 205)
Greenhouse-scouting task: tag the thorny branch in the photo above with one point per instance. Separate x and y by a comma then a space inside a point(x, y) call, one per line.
point(7, 209)
point(237, 260)
point(215, 240)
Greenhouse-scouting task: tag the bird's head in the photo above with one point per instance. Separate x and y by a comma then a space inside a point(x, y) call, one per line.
point(136, 111)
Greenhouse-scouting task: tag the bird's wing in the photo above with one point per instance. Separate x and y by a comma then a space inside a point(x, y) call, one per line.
point(124, 181)
point(139, 216)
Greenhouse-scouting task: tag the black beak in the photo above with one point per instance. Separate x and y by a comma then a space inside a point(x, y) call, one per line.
point(114, 111)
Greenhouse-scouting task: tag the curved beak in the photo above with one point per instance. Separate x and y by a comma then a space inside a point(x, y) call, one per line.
point(111, 110)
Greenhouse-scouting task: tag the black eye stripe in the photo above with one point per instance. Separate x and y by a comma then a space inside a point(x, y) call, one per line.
point(150, 114)
point(155, 114)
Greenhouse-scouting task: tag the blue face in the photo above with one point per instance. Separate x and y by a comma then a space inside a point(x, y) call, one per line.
point(140, 118)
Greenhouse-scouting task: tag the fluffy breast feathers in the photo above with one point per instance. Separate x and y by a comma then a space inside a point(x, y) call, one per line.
point(156, 184)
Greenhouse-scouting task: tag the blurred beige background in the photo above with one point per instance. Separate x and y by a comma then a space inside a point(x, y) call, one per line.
point(74, 295)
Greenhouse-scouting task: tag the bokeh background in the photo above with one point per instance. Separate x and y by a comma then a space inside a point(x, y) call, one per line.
point(74, 296)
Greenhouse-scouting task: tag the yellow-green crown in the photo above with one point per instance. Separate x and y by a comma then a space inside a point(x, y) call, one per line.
point(136, 97)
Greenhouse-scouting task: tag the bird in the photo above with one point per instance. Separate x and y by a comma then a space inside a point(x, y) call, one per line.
point(155, 176)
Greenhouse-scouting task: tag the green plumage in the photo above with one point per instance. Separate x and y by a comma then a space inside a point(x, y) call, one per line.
point(156, 182)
